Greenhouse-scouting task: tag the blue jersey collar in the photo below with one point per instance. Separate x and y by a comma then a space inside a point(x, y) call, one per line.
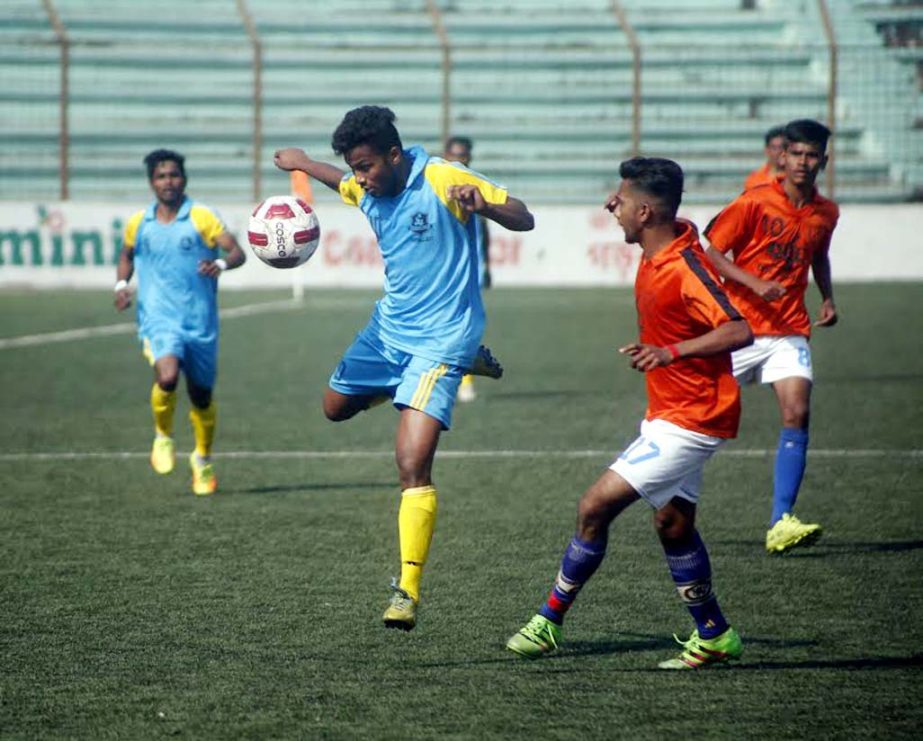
point(418, 158)
point(183, 213)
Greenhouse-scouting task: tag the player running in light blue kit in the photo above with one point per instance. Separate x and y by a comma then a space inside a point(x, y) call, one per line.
point(173, 246)
point(425, 331)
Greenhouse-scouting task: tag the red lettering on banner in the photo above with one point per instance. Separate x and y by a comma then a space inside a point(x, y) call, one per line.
point(356, 250)
point(505, 250)
point(618, 256)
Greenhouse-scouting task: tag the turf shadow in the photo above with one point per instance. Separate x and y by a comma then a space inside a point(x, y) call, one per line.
point(874, 662)
point(827, 550)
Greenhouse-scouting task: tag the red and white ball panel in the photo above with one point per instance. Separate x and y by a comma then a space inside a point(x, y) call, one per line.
point(283, 231)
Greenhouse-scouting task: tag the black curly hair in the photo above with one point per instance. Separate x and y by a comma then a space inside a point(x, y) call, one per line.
point(369, 124)
point(164, 155)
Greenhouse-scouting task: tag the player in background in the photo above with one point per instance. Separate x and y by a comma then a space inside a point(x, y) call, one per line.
point(425, 331)
point(458, 149)
point(687, 330)
point(772, 169)
point(173, 245)
point(763, 244)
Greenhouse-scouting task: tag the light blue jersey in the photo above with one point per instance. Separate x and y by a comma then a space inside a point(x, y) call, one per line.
point(172, 296)
point(432, 305)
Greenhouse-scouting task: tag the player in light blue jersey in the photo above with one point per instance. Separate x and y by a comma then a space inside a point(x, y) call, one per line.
point(172, 246)
point(425, 331)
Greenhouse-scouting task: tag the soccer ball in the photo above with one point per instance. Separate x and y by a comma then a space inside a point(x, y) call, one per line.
point(283, 231)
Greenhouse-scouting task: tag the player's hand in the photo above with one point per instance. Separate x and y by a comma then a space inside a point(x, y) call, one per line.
point(209, 268)
point(646, 357)
point(827, 315)
point(769, 290)
point(122, 299)
point(291, 158)
point(469, 196)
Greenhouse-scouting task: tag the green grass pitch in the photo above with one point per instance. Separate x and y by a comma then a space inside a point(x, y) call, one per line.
point(131, 609)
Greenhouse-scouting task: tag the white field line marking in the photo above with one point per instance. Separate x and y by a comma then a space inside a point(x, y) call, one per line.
point(458, 454)
point(107, 330)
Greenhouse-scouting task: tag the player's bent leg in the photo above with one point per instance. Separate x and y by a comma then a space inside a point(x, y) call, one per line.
point(339, 407)
point(163, 409)
point(203, 417)
point(599, 505)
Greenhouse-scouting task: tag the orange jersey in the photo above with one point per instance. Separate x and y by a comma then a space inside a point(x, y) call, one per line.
point(760, 176)
point(679, 296)
point(767, 236)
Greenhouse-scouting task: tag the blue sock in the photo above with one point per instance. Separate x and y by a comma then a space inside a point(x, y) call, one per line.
point(691, 571)
point(581, 559)
point(790, 460)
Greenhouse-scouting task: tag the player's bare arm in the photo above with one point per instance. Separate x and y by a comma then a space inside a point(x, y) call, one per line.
point(768, 290)
point(512, 215)
point(727, 337)
point(234, 257)
point(296, 159)
point(123, 273)
point(820, 267)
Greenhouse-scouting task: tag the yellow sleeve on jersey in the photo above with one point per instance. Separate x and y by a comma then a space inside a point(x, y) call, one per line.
point(131, 230)
point(440, 174)
point(207, 223)
point(350, 191)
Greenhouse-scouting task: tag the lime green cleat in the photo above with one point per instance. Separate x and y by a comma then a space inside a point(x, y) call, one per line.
point(204, 481)
point(163, 456)
point(700, 652)
point(790, 532)
point(536, 638)
point(401, 612)
point(485, 364)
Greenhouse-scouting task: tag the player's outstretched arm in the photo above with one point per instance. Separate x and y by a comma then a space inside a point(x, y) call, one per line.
point(123, 273)
point(234, 256)
point(512, 215)
point(726, 337)
point(768, 290)
point(820, 267)
point(296, 159)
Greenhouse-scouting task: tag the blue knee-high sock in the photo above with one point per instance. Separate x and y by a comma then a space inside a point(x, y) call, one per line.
point(581, 559)
point(791, 456)
point(691, 571)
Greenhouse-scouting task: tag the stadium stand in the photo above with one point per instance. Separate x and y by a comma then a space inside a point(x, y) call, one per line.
point(543, 87)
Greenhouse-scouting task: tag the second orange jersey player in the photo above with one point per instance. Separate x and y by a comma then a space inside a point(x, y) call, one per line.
point(765, 244)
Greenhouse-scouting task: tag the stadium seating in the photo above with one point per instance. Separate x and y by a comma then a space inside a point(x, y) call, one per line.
point(544, 88)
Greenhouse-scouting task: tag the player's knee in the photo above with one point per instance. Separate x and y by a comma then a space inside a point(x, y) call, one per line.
point(796, 414)
point(593, 516)
point(168, 379)
point(673, 527)
point(200, 397)
point(411, 474)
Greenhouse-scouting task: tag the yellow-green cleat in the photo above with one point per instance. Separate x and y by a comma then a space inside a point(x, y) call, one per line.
point(163, 455)
point(401, 612)
point(204, 481)
point(790, 532)
point(701, 652)
point(536, 638)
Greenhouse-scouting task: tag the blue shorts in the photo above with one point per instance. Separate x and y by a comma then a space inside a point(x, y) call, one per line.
point(198, 360)
point(372, 369)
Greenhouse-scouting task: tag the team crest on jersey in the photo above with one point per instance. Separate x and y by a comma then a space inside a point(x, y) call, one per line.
point(420, 226)
point(187, 243)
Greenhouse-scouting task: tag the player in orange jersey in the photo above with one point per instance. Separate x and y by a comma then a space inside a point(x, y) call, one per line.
point(687, 330)
point(772, 169)
point(775, 233)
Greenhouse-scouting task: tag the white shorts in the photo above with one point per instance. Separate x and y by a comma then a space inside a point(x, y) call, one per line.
point(666, 461)
point(771, 359)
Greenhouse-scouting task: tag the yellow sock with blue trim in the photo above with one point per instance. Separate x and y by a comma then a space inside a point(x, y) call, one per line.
point(203, 427)
point(416, 522)
point(163, 405)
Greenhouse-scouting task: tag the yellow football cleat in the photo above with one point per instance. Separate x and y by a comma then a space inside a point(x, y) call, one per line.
point(204, 481)
point(700, 652)
point(790, 532)
point(163, 457)
point(401, 612)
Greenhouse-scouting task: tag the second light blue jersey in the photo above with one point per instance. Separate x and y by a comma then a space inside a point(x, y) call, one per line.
point(173, 297)
point(432, 304)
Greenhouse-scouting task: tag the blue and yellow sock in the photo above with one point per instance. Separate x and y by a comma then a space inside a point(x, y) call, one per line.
point(791, 457)
point(163, 406)
point(691, 571)
point(416, 521)
point(580, 561)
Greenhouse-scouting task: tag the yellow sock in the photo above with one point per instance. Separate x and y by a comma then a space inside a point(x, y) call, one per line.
point(163, 404)
point(467, 380)
point(416, 522)
point(203, 427)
